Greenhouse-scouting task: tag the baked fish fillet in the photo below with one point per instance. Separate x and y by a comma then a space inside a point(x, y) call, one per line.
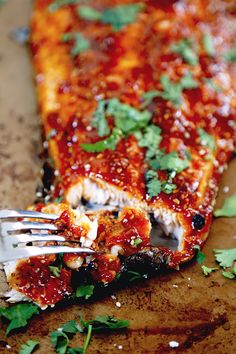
point(137, 101)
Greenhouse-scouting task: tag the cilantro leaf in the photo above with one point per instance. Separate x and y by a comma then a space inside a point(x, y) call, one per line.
point(226, 257)
point(108, 143)
point(106, 322)
point(80, 42)
point(184, 49)
point(152, 183)
point(117, 16)
point(127, 118)
point(150, 139)
point(228, 209)
point(200, 256)
point(85, 291)
point(57, 4)
point(60, 341)
point(173, 162)
point(28, 347)
point(208, 44)
point(206, 139)
point(56, 271)
point(187, 82)
point(230, 56)
point(228, 275)
point(99, 120)
point(137, 241)
point(206, 271)
point(71, 327)
point(18, 315)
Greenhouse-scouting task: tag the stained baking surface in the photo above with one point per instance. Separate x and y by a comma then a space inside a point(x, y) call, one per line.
point(183, 306)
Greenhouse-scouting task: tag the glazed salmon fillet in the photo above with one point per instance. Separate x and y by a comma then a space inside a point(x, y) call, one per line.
point(137, 101)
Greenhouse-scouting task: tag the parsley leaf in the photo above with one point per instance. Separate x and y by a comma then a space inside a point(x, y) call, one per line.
point(228, 209)
point(187, 82)
point(60, 341)
point(108, 143)
point(18, 315)
point(200, 256)
point(153, 184)
point(208, 44)
point(184, 49)
point(80, 42)
point(71, 327)
point(117, 16)
point(230, 56)
point(226, 257)
point(57, 4)
point(206, 139)
point(106, 322)
point(28, 347)
point(85, 291)
point(207, 271)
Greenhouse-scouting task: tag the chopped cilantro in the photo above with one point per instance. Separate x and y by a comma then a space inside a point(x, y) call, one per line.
point(80, 42)
point(85, 291)
point(206, 139)
point(18, 315)
point(56, 271)
point(228, 275)
point(28, 347)
point(226, 257)
point(57, 4)
point(150, 139)
point(153, 184)
point(215, 87)
point(208, 44)
point(71, 327)
point(230, 56)
point(200, 256)
point(99, 120)
point(106, 322)
point(60, 341)
point(228, 209)
point(117, 16)
point(59, 199)
point(172, 162)
point(172, 91)
point(137, 241)
point(108, 143)
point(206, 271)
point(185, 50)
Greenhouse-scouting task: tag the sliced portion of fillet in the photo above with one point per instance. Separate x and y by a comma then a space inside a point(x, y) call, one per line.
point(126, 64)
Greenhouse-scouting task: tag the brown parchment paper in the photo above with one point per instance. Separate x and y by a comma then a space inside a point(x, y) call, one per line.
point(197, 312)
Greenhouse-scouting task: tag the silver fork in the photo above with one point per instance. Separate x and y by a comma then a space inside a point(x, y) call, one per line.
point(15, 236)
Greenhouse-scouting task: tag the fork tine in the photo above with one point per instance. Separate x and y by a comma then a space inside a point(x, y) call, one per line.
point(26, 252)
point(25, 225)
point(8, 213)
point(33, 238)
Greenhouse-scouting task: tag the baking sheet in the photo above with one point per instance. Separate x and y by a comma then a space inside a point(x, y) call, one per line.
point(197, 312)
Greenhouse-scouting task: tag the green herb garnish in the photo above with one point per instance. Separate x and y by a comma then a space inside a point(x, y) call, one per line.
point(56, 271)
point(108, 143)
point(172, 91)
point(117, 16)
point(206, 139)
point(101, 323)
point(153, 184)
point(228, 209)
point(228, 275)
point(206, 270)
point(137, 241)
point(226, 257)
point(28, 347)
point(18, 315)
point(57, 4)
point(185, 49)
point(208, 44)
point(200, 256)
point(80, 42)
point(85, 291)
point(230, 56)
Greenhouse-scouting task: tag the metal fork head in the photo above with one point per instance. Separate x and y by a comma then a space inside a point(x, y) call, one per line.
point(16, 243)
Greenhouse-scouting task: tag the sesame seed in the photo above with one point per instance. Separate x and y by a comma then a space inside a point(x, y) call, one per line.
point(120, 347)
point(173, 344)
point(226, 189)
point(118, 304)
